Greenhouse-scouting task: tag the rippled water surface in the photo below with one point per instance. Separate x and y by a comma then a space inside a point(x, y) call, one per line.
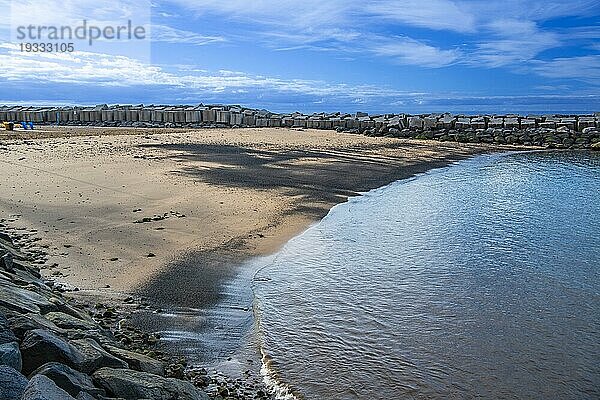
point(477, 280)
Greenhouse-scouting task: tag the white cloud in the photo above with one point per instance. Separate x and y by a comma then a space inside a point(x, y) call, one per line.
point(69, 12)
point(582, 32)
point(327, 38)
point(497, 33)
point(513, 41)
point(409, 51)
point(533, 10)
point(77, 67)
point(120, 71)
point(431, 14)
point(343, 25)
point(585, 68)
point(164, 33)
point(290, 13)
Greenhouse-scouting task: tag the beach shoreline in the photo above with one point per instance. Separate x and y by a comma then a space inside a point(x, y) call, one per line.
point(170, 216)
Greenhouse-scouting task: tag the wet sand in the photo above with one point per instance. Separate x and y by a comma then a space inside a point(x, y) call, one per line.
point(165, 213)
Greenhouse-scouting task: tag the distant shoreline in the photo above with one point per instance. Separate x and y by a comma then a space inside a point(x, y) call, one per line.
point(551, 131)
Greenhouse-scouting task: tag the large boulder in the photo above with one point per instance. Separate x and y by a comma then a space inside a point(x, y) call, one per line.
point(12, 383)
point(40, 347)
point(16, 300)
point(71, 381)
point(23, 276)
point(10, 355)
point(41, 387)
point(415, 122)
point(21, 324)
point(137, 361)
point(85, 355)
point(95, 357)
point(130, 384)
point(66, 308)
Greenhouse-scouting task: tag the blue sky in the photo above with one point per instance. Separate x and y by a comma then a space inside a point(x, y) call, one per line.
point(319, 55)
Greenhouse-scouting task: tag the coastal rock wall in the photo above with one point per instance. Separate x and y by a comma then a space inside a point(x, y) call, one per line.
point(51, 347)
point(561, 131)
point(57, 345)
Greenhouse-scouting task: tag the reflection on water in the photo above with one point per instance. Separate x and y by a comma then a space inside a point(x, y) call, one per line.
point(478, 280)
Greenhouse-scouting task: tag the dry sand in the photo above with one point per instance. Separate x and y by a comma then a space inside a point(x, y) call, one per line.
point(227, 194)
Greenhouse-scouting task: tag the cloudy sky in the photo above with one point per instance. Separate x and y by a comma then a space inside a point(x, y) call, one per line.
point(312, 55)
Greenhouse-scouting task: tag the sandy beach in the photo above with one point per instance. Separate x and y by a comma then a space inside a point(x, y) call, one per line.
point(299, 200)
point(163, 213)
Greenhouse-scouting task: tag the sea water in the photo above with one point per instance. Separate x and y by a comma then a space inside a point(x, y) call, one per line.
point(479, 280)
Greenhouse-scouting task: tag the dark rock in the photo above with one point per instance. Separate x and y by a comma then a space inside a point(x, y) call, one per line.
point(95, 356)
point(6, 335)
point(15, 300)
point(12, 383)
point(71, 381)
point(40, 347)
point(64, 307)
point(109, 313)
point(21, 277)
point(201, 380)
point(137, 361)
point(86, 396)
point(22, 323)
point(6, 262)
point(67, 321)
point(175, 370)
point(41, 387)
point(99, 334)
point(10, 355)
point(7, 239)
point(141, 385)
point(27, 267)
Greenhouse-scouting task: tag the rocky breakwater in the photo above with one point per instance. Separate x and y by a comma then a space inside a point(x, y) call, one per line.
point(56, 347)
point(549, 132)
point(554, 131)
